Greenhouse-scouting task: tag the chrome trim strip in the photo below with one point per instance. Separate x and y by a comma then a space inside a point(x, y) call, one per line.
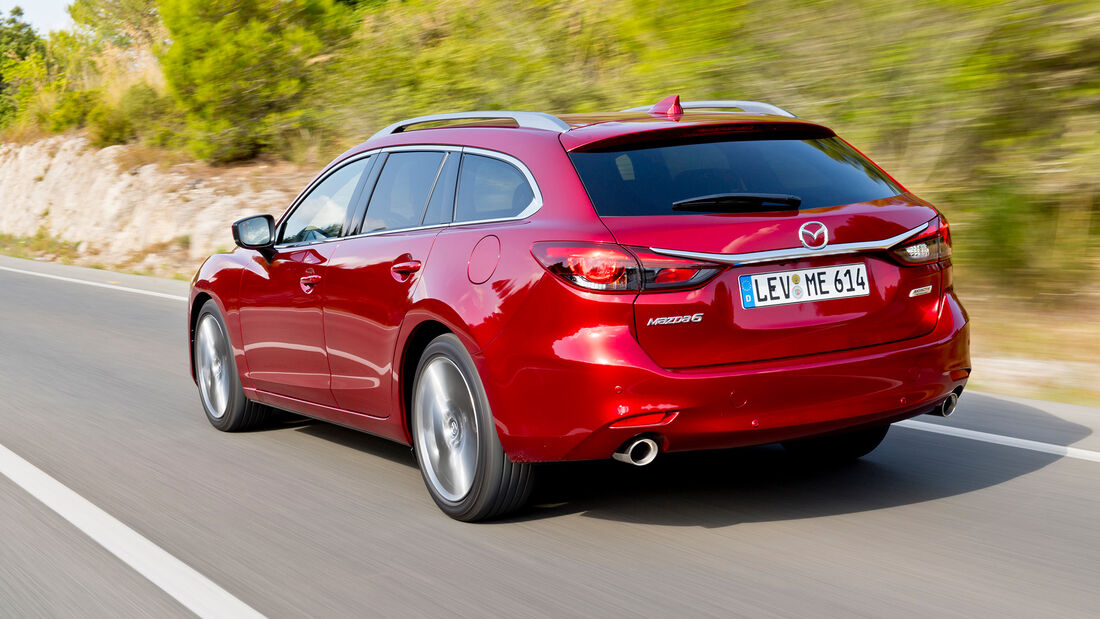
point(793, 253)
point(751, 107)
point(421, 148)
point(526, 120)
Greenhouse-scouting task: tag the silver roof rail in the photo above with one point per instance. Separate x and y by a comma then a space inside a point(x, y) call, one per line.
point(752, 107)
point(527, 120)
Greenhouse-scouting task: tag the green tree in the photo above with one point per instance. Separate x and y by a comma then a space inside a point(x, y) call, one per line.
point(241, 67)
point(18, 41)
point(122, 22)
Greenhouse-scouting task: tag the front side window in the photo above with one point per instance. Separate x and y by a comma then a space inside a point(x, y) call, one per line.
point(489, 188)
point(321, 214)
point(402, 191)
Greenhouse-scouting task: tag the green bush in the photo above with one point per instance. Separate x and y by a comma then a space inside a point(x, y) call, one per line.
point(240, 68)
point(107, 126)
point(142, 115)
point(72, 109)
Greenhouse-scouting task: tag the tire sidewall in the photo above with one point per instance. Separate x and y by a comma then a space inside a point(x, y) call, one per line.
point(236, 405)
point(489, 453)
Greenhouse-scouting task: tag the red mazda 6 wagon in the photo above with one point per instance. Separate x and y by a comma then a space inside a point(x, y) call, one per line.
point(499, 289)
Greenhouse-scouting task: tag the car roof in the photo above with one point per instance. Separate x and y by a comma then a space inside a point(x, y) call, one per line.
point(667, 120)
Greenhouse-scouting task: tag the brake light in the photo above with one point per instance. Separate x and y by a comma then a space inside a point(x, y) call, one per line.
point(593, 266)
point(668, 273)
point(931, 246)
point(613, 268)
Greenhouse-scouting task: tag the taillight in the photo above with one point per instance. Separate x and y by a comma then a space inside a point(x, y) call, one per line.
point(932, 245)
point(613, 268)
point(668, 273)
point(593, 266)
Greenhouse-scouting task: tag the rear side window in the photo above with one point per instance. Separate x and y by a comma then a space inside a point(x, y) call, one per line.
point(490, 188)
point(320, 215)
point(401, 193)
point(649, 181)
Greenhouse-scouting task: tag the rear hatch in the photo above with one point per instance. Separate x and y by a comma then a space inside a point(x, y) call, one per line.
point(757, 204)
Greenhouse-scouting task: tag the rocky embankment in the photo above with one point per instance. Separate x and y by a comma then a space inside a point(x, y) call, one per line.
point(124, 207)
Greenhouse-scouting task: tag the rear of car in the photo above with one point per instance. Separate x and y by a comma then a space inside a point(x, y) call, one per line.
point(515, 287)
point(764, 282)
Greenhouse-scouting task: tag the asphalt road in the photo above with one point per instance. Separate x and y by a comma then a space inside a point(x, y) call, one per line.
point(309, 519)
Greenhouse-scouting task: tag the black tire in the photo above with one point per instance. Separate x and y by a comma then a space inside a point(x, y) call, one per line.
point(837, 448)
point(224, 403)
point(449, 414)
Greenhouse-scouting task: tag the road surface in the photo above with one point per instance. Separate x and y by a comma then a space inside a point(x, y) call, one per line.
point(128, 503)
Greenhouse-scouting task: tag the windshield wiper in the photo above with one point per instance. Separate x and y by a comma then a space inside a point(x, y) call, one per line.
point(721, 202)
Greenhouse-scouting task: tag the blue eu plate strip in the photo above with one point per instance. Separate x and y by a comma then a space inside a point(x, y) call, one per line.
point(747, 300)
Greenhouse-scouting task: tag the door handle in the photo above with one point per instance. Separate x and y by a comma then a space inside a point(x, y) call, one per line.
point(402, 271)
point(308, 282)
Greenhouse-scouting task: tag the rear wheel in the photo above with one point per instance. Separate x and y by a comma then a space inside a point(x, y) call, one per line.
point(216, 374)
point(836, 448)
point(464, 467)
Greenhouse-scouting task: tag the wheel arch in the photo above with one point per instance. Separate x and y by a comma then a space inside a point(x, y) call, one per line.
point(197, 302)
point(418, 339)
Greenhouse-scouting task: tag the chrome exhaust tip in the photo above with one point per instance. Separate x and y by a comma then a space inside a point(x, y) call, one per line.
point(638, 451)
point(948, 405)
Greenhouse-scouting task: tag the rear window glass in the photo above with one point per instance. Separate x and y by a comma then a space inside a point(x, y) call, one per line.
point(650, 180)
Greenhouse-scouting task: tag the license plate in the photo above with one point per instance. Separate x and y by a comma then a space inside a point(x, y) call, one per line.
point(802, 286)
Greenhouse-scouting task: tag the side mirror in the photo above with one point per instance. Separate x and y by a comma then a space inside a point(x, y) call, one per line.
point(256, 232)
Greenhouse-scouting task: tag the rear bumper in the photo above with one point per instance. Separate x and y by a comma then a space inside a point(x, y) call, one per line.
point(599, 389)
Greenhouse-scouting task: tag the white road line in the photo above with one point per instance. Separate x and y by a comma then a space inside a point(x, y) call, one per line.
point(997, 439)
point(190, 588)
point(150, 293)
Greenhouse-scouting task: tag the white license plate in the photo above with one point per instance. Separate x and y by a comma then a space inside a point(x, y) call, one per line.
point(784, 287)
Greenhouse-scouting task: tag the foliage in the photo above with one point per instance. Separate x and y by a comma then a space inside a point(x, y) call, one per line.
point(18, 41)
point(141, 114)
point(990, 109)
point(121, 22)
point(240, 68)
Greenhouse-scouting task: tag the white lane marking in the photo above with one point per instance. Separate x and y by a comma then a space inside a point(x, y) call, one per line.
point(997, 439)
point(190, 588)
point(150, 293)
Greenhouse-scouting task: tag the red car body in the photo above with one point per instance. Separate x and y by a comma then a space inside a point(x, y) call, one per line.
point(334, 329)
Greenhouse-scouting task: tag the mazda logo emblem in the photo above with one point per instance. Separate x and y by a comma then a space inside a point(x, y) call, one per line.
point(814, 235)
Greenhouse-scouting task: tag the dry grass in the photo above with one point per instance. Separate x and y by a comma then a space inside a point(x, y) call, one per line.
point(1048, 349)
point(23, 133)
point(41, 245)
point(134, 156)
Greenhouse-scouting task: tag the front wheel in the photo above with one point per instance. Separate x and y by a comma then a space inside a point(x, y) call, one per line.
point(464, 467)
point(216, 374)
point(837, 448)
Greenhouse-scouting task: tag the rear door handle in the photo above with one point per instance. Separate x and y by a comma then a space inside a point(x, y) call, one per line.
point(308, 282)
point(402, 271)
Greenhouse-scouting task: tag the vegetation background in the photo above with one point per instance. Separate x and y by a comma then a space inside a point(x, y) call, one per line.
point(990, 109)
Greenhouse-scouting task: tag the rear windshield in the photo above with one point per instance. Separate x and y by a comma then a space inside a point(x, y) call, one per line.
point(650, 180)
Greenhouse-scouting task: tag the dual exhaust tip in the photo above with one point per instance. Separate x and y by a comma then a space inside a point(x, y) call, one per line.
point(638, 451)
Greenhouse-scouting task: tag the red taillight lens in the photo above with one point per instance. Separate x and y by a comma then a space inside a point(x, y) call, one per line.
point(593, 266)
point(669, 273)
point(613, 268)
point(931, 246)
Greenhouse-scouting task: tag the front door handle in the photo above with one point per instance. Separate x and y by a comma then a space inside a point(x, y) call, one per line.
point(308, 282)
point(402, 271)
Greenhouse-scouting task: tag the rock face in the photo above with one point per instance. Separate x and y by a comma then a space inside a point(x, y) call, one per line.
point(121, 209)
